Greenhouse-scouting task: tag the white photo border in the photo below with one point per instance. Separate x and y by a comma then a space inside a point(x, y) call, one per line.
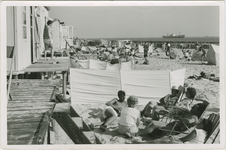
point(3, 102)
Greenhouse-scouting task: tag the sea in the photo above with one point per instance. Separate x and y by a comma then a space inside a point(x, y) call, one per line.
point(160, 39)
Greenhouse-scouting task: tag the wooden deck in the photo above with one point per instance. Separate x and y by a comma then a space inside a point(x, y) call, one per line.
point(29, 111)
point(57, 64)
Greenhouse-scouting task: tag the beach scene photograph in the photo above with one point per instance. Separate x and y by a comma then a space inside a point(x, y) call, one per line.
point(112, 75)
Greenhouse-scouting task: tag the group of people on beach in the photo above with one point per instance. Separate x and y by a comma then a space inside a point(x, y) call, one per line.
point(117, 55)
point(131, 118)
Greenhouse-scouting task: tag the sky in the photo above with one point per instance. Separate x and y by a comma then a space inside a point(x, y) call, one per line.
point(139, 21)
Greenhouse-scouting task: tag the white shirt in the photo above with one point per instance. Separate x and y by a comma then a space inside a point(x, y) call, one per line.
point(129, 116)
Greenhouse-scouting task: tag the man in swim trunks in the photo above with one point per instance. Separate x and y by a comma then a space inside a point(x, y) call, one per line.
point(113, 109)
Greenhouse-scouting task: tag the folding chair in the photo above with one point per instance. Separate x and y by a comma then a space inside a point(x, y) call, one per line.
point(215, 120)
point(164, 115)
point(189, 130)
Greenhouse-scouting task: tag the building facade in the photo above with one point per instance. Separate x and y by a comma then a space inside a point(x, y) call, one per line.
point(25, 25)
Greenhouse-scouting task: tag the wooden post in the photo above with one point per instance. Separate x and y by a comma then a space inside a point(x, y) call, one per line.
point(10, 75)
point(64, 84)
point(48, 134)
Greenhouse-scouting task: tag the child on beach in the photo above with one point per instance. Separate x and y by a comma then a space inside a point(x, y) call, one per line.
point(130, 118)
point(113, 109)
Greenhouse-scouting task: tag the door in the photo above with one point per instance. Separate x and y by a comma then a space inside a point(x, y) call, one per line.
point(25, 50)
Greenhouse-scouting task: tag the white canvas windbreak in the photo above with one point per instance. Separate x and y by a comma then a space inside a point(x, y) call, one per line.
point(84, 63)
point(97, 65)
point(93, 86)
point(101, 65)
point(112, 67)
point(126, 65)
point(140, 48)
point(100, 86)
point(147, 85)
point(177, 77)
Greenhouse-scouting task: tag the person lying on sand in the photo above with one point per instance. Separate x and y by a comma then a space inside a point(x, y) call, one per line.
point(113, 109)
point(130, 118)
point(164, 102)
point(190, 120)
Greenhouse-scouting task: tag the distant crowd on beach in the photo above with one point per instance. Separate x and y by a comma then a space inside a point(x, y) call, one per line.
point(129, 51)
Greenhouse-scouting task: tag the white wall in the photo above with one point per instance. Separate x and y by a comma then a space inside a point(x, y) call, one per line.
point(10, 33)
point(65, 35)
point(10, 26)
point(56, 35)
point(22, 35)
point(70, 40)
point(22, 48)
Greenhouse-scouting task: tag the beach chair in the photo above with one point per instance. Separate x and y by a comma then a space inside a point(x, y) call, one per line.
point(163, 115)
point(215, 120)
point(178, 119)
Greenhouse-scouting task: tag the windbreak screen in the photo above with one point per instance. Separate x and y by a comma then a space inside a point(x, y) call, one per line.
point(100, 86)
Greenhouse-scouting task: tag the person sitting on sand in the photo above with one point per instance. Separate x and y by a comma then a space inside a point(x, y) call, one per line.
point(190, 120)
point(164, 102)
point(130, 118)
point(113, 109)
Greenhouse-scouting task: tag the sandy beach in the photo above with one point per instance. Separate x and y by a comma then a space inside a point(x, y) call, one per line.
point(92, 113)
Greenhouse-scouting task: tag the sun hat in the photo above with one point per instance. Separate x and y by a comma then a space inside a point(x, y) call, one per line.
point(174, 87)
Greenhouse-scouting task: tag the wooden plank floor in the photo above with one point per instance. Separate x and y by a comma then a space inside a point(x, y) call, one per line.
point(55, 64)
point(29, 110)
point(57, 60)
